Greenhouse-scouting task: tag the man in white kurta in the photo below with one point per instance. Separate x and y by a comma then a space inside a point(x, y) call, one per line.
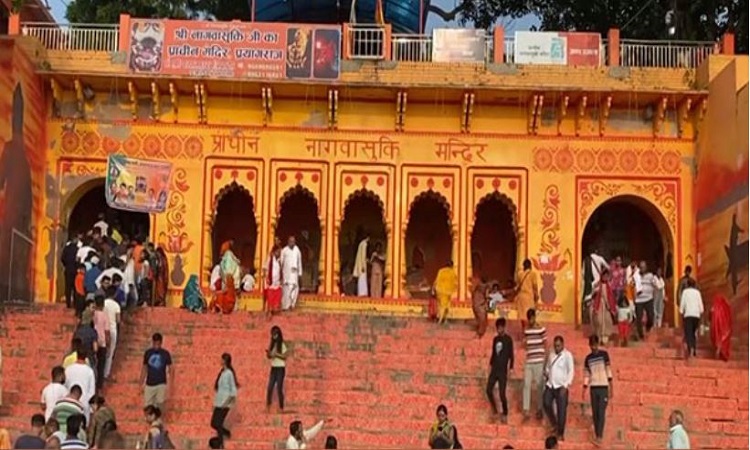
point(291, 271)
point(360, 268)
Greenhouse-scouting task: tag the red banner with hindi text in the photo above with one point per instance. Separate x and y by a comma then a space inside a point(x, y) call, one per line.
point(234, 49)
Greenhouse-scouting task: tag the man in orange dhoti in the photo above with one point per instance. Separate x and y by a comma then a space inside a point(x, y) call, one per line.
point(229, 267)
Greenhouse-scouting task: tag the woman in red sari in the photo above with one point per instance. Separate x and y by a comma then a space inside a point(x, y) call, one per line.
point(721, 326)
point(273, 282)
point(226, 298)
point(161, 272)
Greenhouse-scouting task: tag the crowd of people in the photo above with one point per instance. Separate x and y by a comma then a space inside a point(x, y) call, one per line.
point(104, 257)
point(107, 274)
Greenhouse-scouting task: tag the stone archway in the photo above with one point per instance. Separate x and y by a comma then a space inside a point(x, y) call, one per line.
point(363, 217)
point(633, 228)
point(428, 242)
point(299, 217)
point(86, 202)
point(234, 219)
point(494, 239)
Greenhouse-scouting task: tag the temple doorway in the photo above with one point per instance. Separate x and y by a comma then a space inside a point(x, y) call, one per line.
point(91, 202)
point(235, 220)
point(494, 240)
point(363, 217)
point(298, 217)
point(634, 229)
point(428, 242)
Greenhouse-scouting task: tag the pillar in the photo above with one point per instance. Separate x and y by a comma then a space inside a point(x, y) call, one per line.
point(613, 47)
point(498, 45)
point(346, 43)
point(727, 44)
point(124, 35)
point(14, 24)
point(387, 42)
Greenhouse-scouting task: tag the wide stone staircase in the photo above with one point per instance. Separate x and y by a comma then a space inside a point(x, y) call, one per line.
point(379, 378)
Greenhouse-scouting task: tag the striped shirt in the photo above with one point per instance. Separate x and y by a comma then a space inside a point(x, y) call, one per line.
point(597, 371)
point(73, 444)
point(65, 408)
point(536, 343)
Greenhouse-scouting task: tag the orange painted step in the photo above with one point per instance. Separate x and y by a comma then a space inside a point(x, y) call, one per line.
point(379, 377)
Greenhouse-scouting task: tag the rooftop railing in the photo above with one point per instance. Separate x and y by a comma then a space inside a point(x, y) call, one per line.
point(671, 54)
point(75, 37)
point(375, 42)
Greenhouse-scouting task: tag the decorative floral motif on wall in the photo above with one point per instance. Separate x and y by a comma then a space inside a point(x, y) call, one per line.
point(589, 190)
point(144, 145)
point(663, 194)
point(566, 159)
point(549, 260)
point(175, 239)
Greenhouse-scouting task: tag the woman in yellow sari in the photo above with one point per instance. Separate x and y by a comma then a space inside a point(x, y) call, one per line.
point(446, 285)
point(527, 291)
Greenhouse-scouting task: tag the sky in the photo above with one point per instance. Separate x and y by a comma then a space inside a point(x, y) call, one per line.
point(433, 21)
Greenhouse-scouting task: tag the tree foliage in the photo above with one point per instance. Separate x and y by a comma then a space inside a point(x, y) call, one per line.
point(108, 11)
point(481, 13)
point(694, 20)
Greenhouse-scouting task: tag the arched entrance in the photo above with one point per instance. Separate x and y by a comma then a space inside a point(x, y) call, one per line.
point(81, 209)
point(363, 217)
point(634, 229)
point(91, 202)
point(298, 217)
point(428, 242)
point(494, 239)
point(234, 219)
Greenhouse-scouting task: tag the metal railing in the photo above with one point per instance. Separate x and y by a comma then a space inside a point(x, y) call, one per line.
point(75, 37)
point(418, 48)
point(412, 47)
point(667, 54)
point(367, 42)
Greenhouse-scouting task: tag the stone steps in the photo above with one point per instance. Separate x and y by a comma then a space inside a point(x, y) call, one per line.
point(380, 378)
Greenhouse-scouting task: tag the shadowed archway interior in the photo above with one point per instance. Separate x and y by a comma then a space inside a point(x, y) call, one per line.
point(428, 242)
point(634, 229)
point(494, 240)
point(85, 214)
point(363, 216)
point(298, 217)
point(235, 219)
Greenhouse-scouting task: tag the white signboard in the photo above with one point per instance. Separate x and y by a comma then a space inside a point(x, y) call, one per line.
point(458, 45)
point(540, 48)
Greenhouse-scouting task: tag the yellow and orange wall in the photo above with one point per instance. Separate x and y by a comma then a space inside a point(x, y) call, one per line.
point(555, 179)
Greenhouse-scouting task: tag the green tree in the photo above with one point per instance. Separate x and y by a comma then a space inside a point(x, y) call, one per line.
point(481, 13)
point(703, 20)
point(692, 20)
point(108, 11)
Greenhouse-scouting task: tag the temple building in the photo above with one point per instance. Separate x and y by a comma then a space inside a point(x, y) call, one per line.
point(464, 146)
